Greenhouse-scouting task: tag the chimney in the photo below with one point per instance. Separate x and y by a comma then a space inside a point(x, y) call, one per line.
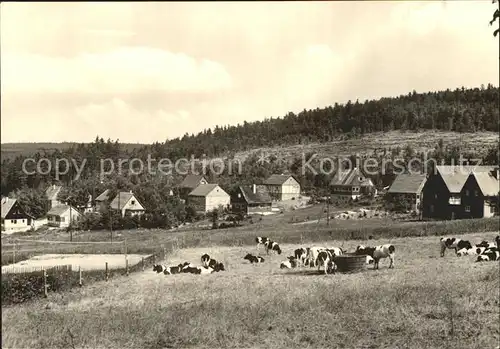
point(131, 192)
point(254, 188)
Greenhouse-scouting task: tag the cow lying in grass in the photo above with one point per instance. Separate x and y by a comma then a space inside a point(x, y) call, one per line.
point(378, 253)
point(193, 269)
point(290, 263)
point(475, 250)
point(489, 255)
point(253, 259)
point(453, 243)
point(207, 261)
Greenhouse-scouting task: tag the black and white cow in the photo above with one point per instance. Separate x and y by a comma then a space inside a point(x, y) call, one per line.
point(487, 244)
point(300, 255)
point(253, 259)
point(261, 240)
point(205, 259)
point(159, 268)
point(475, 250)
point(273, 246)
point(490, 255)
point(173, 270)
point(453, 243)
point(312, 255)
point(325, 260)
point(377, 253)
point(290, 263)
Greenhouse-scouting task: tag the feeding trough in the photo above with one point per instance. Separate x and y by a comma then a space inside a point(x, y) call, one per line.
point(350, 263)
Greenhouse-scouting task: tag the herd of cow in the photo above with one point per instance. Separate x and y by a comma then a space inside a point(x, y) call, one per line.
point(324, 258)
point(485, 251)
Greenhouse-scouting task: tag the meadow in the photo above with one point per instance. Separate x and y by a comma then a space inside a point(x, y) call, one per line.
point(424, 302)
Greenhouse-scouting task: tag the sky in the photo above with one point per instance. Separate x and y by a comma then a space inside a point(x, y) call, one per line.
point(146, 72)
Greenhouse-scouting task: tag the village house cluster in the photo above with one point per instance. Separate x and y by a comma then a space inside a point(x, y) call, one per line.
point(450, 192)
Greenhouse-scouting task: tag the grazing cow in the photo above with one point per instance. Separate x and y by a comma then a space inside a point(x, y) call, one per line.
point(325, 260)
point(453, 243)
point(489, 256)
point(312, 255)
point(290, 263)
point(261, 240)
point(205, 259)
point(253, 259)
point(273, 246)
point(300, 255)
point(377, 253)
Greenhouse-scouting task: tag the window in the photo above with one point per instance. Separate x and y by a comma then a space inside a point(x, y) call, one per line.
point(133, 202)
point(454, 200)
point(493, 209)
point(467, 208)
point(467, 192)
point(23, 221)
point(14, 221)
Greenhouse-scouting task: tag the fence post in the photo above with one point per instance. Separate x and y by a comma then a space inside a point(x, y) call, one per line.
point(107, 272)
point(142, 263)
point(126, 267)
point(45, 285)
point(80, 283)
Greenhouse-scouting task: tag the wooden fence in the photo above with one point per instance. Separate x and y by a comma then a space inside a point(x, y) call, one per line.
point(21, 284)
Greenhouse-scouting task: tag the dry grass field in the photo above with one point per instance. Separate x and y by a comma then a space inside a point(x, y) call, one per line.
point(425, 302)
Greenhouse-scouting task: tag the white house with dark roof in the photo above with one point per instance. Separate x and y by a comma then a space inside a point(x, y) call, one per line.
point(60, 216)
point(52, 192)
point(14, 218)
point(207, 197)
point(408, 187)
point(127, 204)
point(189, 183)
point(351, 184)
point(282, 187)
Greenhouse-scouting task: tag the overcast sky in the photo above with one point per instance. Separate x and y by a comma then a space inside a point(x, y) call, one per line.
point(145, 72)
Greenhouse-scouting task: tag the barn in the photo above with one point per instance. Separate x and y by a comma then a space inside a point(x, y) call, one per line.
point(282, 187)
point(207, 197)
point(251, 200)
point(406, 189)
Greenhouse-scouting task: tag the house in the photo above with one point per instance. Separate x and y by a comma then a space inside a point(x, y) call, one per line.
point(60, 216)
point(282, 187)
point(207, 197)
point(14, 218)
point(251, 200)
point(442, 192)
point(479, 195)
point(102, 200)
point(351, 184)
point(52, 192)
point(189, 183)
point(127, 204)
point(407, 188)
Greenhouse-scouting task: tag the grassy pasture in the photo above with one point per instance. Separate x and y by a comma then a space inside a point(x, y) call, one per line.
point(425, 302)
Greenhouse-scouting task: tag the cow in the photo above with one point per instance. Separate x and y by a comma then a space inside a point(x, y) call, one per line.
point(205, 259)
point(325, 260)
point(487, 244)
point(290, 263)
point(312, 255)
point(471, 251)
point(273, 246)
point(489, 255)
point(159, 268)
point(300, 255)
point(369, 260)
point(453, 243)
point(173, 270)
point(253, 259)
point(377, 253)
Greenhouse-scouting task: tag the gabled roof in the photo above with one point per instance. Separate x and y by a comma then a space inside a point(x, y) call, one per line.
point(7, 204)
point(53, 191)
point(351, 177)
point(408, 184)
point(261, 196)
point(277, 179)
point(204, 189)
point(103, 196)
point(121, 199)
point(60, 209)
point(488, 184)
point(456, 176)
point(191, 181)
